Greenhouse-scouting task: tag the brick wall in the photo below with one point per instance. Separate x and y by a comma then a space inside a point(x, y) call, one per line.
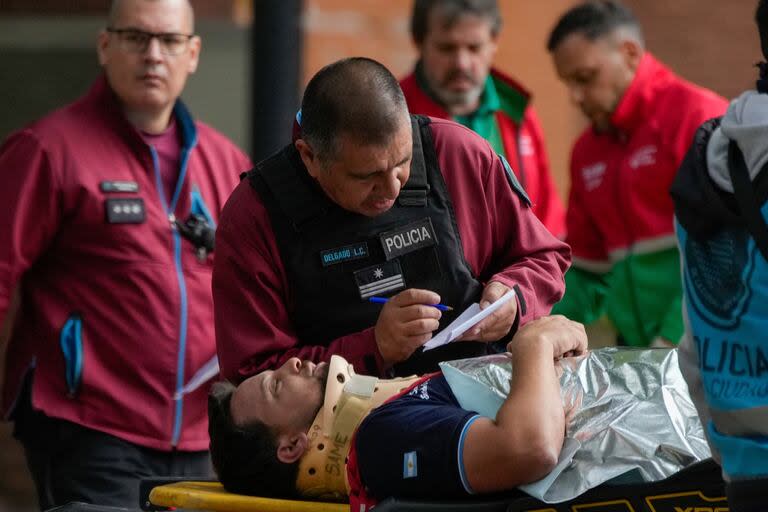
point(203, 8)
point(710, 42)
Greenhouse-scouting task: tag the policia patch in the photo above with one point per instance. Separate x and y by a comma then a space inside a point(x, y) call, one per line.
point(411, 237)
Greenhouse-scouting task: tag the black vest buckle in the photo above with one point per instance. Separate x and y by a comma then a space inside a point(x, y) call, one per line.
point(414, 196)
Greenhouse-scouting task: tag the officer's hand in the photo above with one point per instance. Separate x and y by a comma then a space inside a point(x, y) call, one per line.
point(497, 324)
point(564, 337)
point(405, 323)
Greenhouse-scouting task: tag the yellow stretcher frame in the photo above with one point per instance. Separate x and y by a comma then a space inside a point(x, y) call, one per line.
point(211, 496)
point(698, 487)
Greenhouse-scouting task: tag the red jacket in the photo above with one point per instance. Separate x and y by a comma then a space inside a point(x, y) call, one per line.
point(500, 237)
point(620, 182)
point(130, 303)
point(522, 138)
point(625, 259)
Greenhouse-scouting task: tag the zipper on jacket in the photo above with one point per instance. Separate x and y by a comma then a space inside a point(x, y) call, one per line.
point(628, 259)
point(178, 413)
point(71, 344)
point(519, 150)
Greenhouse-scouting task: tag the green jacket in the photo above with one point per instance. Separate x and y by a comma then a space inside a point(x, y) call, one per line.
point(640, 294)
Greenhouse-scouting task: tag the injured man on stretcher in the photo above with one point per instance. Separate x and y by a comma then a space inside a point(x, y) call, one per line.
point(548, 416)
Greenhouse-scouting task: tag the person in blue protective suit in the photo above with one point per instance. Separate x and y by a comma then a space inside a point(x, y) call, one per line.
point(720, 197)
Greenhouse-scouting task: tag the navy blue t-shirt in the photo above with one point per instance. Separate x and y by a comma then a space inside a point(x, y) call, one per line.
point(412, 446)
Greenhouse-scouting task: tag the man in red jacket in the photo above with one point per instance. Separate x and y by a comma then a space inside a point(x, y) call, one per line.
point(453, 79)
point(643, 118)
point(109, 206)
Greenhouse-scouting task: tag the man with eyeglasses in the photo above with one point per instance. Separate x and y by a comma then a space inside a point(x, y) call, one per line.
point(109, 209)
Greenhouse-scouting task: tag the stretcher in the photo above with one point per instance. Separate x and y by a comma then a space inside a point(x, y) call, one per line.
point(698, 488)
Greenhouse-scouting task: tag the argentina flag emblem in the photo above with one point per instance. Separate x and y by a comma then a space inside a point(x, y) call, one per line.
point(410, 466)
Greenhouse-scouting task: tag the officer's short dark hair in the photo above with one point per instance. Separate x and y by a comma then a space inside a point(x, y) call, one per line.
point(245, 457)
point(357, 96)
point(451, 11)
point(593, 20)
point(761, 17)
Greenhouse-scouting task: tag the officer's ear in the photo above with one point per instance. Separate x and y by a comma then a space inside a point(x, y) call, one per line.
point(290, 447)
point(308, 156)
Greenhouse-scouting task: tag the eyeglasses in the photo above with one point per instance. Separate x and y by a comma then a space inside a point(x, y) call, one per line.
point(137, 41)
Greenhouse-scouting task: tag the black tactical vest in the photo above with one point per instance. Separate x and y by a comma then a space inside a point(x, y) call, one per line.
point(335, 259)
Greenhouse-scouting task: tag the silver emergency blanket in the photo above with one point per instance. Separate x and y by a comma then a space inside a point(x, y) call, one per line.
point(631, 420)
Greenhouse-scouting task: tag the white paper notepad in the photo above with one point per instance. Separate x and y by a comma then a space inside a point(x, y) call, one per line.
point(465, 321)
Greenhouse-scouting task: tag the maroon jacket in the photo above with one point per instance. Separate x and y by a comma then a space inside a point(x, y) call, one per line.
point(115, 316)
point(501, 238)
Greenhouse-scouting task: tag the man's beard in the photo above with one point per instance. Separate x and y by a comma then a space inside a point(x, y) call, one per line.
point(451, 98)
point(459, 98)
point(321, 375)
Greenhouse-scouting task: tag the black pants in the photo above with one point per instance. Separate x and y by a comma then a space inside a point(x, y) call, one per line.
point(69, 462)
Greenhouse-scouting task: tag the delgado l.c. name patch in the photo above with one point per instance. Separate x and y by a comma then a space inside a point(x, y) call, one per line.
point(342, 254)
point(411, 237)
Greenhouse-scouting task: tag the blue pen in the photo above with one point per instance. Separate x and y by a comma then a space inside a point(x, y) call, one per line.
point(382, 300)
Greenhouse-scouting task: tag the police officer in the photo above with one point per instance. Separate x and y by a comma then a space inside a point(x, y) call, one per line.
point(367, 202)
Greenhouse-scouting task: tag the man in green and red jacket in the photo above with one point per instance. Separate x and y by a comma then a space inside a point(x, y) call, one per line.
point(453, 79)
point(619, 219)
